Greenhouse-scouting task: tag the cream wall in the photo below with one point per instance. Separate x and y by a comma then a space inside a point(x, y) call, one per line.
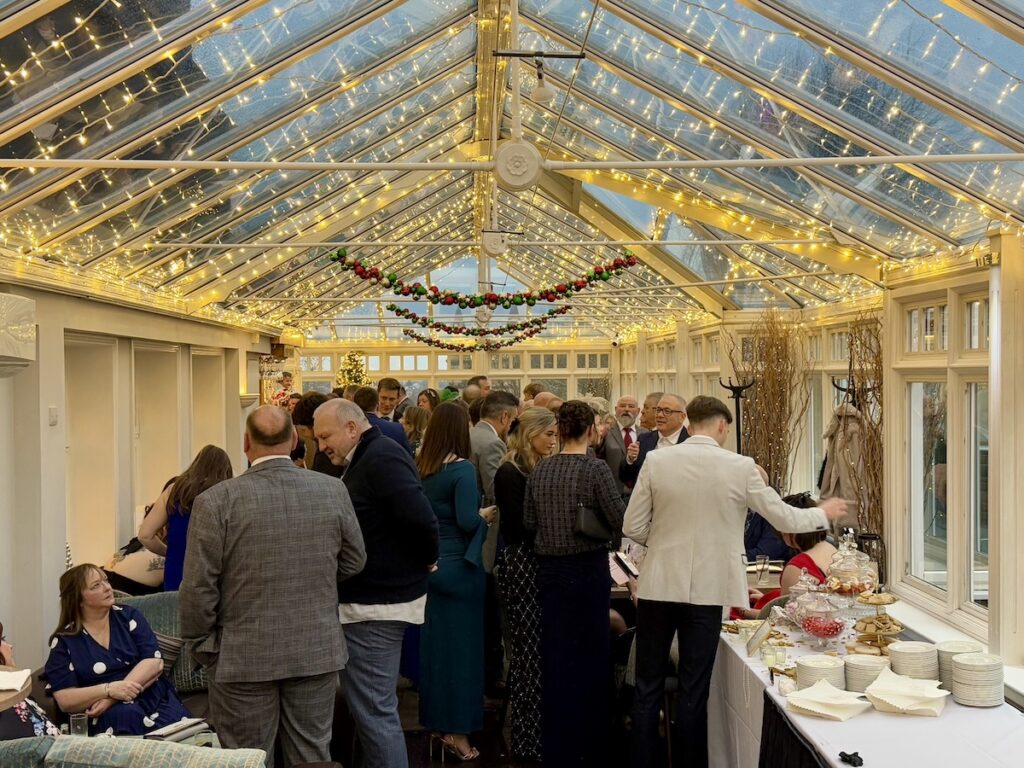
point(42, 484)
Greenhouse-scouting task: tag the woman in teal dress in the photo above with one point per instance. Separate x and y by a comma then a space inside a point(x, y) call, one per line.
point(452, 643)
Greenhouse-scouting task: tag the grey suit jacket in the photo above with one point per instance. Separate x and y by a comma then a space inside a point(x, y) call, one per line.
point(488, 451)
point(259, 597)
point(613, 451)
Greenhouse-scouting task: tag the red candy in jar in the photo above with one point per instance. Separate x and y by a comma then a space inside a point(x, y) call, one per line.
point(820, 626)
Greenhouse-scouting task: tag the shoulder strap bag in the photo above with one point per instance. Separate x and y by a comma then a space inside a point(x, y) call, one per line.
point(589, 522)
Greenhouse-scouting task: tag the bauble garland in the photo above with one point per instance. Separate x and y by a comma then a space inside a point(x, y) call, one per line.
point(436, 295)
point(480, 346)
point(463, 330)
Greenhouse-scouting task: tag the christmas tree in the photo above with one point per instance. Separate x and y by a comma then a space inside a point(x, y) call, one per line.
point(352, 371)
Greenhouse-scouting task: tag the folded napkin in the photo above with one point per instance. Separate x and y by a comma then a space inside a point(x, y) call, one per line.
point(14, 681)
point(826, 701)
point(906, 695)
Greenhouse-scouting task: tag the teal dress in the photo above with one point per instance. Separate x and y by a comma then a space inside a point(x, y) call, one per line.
point(452, 643)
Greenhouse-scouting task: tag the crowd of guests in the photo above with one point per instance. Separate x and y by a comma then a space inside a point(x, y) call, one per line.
point(482, 519)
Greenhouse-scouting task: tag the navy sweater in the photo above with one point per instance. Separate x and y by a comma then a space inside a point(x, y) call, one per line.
point(398, 524)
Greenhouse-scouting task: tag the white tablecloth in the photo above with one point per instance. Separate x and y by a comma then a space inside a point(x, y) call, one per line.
point(960, 736)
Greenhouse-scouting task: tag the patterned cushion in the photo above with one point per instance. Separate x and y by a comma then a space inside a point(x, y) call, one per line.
point(161, 611)
point(80, 751)
point(25, 753)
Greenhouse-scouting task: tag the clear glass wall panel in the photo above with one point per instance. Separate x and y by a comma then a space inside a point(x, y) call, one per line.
point(977, 400)
point(927, 483)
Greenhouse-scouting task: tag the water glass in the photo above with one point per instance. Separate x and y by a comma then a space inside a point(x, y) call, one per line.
point(79, 725)
point(745, 633)
point(761, 567)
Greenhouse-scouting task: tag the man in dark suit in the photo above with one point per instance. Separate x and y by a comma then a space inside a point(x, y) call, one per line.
point(401, 537)
point(302, 417)
point(403, 403)
point(625, 432)
point(669, 415)
point(367, 399)
point(389, 392)
point(266, 552)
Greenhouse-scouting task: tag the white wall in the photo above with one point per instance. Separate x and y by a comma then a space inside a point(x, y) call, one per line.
point(158, 447)
point(40, 480)
point(207, 400)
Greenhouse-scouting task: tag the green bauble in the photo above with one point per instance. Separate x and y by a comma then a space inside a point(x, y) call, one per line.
point(531, 301)
point(518, 300)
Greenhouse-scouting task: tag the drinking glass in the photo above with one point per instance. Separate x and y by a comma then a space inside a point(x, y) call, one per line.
point(762, 571)
point(79, 725)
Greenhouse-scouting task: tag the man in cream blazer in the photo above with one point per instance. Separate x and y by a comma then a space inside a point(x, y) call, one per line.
point(688, 508)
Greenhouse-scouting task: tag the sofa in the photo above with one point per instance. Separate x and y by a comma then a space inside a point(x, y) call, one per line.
point(79, 751)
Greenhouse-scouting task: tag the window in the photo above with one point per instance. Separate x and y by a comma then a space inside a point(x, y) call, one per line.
point(323, 386)
point(559, 387)
point(840, 345)
point(454, 363)
point(506, 361)
point(713, 351)
point(814, 348)
point(670, 356)
point(928, 329)
point(927, 482)
point(408, 362)
point(977, 410)
point(698, 353)
point(315, 363)
point(594, 386)
point(976, 319)
point(512, 386)
point(592, 360)
point(372, 363)
point(562, 361)
point(815, 430)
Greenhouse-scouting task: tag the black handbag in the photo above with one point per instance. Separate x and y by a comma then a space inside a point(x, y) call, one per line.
point(589, 522)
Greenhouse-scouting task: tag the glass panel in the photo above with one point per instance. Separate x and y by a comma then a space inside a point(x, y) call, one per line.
point(372, 363)
point(927, 502)
point(973, 340)
point(814, 348)
point(409, 362)
point(422, 362)
point(557, 387)
point(840, 345)
point(594, 386)
point(978, 430)
point(914, 330)
point(944, 328)
point(535, 361)
point(512, 386)
point(549, 361)
point(929, 329)
point(604, 361)
point(815, 430)
point(323, 386)
point(442, 362)
point(581, 361)
point(592, 361)
point(562, 361)
point(394, 362)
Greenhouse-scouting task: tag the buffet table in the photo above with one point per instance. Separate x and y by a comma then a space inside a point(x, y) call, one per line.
point(740, 692)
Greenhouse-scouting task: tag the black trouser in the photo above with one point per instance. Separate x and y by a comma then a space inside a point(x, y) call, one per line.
point(698, 627)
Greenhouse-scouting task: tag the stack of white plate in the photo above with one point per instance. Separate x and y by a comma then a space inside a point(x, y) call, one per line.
point(977, 679)
point(914, 659)
point(947, 651)
point(811, 669)
point(861, 671)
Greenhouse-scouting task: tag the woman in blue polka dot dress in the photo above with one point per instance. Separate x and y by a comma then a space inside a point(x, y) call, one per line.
point(104, 660)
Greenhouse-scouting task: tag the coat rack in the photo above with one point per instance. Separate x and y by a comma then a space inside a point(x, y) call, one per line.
point(737, 395)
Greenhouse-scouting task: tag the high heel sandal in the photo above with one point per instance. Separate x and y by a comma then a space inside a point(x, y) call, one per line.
point(450, 748)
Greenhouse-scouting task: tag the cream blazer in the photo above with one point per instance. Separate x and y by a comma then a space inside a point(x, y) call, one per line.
point(688, 508)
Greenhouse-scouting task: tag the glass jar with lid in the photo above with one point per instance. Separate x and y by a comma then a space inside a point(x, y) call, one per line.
point(822, 618)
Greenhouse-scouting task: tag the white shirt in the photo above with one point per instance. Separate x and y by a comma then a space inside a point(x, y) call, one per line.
point(411, 613)
point(664, 442)
point(261, 459)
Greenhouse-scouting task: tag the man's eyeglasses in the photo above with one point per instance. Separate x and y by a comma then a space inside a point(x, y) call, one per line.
point(666, 411)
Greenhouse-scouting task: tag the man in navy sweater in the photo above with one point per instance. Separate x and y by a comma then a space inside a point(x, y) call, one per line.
point(367, 399)
point(401, 539)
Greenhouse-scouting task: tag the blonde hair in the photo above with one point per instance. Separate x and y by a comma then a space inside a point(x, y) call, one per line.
point(531, 423)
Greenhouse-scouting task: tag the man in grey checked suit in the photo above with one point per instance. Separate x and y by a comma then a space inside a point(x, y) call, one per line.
point(613, 448)
point(259, 597)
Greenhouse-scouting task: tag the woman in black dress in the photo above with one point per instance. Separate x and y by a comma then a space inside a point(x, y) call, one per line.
point(573, 584)
point(532, 437)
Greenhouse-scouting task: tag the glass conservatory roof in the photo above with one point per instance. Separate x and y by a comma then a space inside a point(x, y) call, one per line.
point(393, 82)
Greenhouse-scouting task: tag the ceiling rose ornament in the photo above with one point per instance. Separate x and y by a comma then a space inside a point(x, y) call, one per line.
point(518, 165)
point(495, 244)
point(435, 295)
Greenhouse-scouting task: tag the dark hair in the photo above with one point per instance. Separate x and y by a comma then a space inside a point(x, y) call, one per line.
point(339, 391)
point(366, 398)
point(350, 390)
point(574, 418)
point(389, 384)
point(474, 409)
point(73, 583)
point(294, 396)
point(432, 397)
point(417, 418)
point(447, 432)
point(287, 373)
point(805, 541)
point(210, 466)
point(530, 391)
point(299, 452)
point(476, 379)
point(302, 414)
point(496, 403)
point(703, 409)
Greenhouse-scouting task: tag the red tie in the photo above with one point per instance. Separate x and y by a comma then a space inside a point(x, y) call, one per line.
point(627, 436)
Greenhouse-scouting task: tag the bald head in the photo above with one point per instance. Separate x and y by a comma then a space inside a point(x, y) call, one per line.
point(338, 425)
point(541, 399)
point(269, 432)
point(472, 392)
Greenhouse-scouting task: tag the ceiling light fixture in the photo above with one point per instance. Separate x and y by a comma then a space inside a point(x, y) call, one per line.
point(542, 92)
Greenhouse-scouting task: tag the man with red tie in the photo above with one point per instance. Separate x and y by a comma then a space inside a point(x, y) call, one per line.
point(626, 432)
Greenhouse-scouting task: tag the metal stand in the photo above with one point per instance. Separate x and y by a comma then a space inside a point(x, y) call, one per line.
point(737, 395)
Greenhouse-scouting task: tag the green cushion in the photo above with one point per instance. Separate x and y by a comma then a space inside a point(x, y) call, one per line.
point(80, 752)
point(25, 753)
point(161, 611)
